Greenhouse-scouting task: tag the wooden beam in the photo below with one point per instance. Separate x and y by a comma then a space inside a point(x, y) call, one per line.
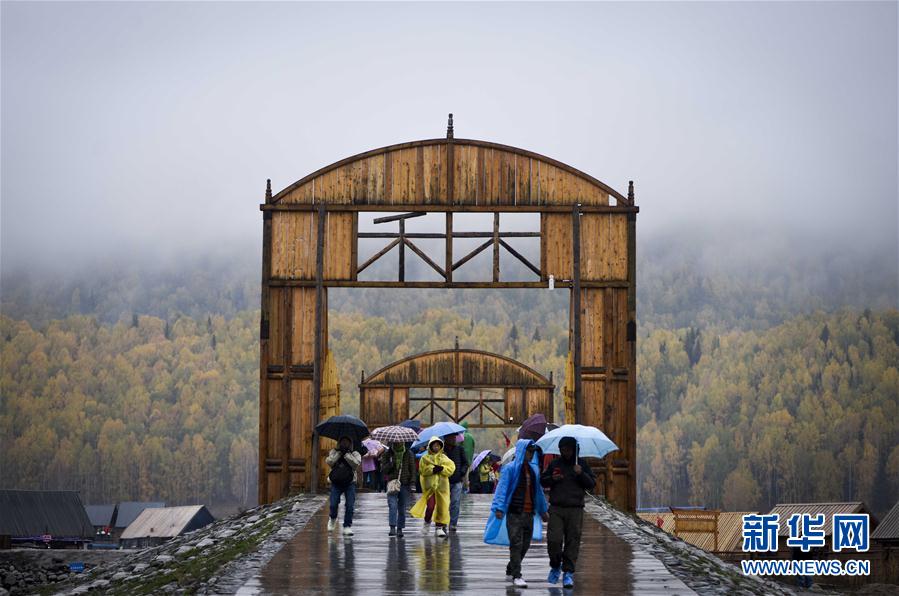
point(435, 236)
point(472, 255)
point(360, 205)
point(338, 283)
point(425, 258)
point(376, 256)
point(520, 257)
point(400, 217)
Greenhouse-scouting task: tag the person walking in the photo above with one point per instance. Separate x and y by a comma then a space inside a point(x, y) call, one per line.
point(398, 466)
point(456, 453)
point(343, 461)
point(518, 508)
point(468, 446)
point(435, 468)
point(567, 477)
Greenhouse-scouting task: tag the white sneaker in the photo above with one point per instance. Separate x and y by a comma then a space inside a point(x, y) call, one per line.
point(425, 528)
point(441, 532)
point(332, 524)
point(519, 582)
point(347, 531)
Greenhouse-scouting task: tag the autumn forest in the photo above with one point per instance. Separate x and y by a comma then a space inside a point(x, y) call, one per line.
point(756, 385)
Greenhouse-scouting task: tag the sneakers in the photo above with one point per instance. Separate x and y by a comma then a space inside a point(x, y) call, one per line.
point(519, 582)
point(568, 580)
point(452, 528)
point(425, 527)
point(332, 524)
point(347, 530)
point(399, 533)
point(441, 532)
point(554, 576)
point(392, 532)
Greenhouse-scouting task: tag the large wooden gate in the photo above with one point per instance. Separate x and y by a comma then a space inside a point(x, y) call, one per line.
point(486, 390)
point(310, 243)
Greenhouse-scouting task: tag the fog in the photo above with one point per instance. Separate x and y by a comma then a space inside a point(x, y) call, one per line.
point(146, 131)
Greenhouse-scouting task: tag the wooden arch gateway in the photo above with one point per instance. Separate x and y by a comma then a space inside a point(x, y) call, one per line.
point(310, 243)
point(487, 390)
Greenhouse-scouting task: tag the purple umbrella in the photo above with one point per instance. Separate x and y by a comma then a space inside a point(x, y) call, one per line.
point(533, 428)
point(373, 446)
point(479, 458)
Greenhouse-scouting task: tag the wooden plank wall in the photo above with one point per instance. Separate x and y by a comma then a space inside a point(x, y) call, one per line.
point(536, 400)
point(418, 175)
point(288, 353)
point(462, 367)
point(607, 362)
point(379, 408)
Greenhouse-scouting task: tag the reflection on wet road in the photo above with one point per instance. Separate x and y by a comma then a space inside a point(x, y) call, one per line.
point(370, 563)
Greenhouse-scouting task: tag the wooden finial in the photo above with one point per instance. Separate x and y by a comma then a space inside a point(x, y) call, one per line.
point(457, 343)
point(449, 127)
point(268, 190)
point(630, 191)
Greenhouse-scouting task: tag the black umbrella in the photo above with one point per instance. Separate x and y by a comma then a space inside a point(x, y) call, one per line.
point(344, 426)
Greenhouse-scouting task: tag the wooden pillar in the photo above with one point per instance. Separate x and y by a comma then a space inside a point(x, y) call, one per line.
point(264, 322)
point(449, 247)
point(318, 356)
point(496, 247)
point(576, 313)
point(632, 351)
point(402, 253)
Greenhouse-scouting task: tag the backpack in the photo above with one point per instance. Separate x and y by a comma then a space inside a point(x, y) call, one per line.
point(341, 474)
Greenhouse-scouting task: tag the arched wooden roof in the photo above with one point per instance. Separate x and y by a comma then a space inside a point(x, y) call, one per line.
point(450, 172)
point(460, 367)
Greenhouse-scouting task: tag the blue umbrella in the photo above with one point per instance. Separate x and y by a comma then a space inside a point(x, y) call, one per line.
point(591, 441)
point(413, 424)
point(441, 429)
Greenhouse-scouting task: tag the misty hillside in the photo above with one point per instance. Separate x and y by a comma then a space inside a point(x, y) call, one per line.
point(680, 283)
point(758, 379)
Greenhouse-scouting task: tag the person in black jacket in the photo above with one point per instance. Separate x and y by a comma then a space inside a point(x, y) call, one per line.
point(398, 463)
point(457, 454)
point(567, 477)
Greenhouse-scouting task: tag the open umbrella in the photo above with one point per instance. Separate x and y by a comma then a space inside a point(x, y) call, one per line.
point(344, 426)
point(413, 424)
point(394, 434)
point(508, 456)
point(533, 428)
point(373, 445)
point(479, 458)
point(441, 429)
point(591, 441)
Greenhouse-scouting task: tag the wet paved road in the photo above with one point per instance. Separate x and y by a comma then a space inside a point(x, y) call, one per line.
point(370, 563)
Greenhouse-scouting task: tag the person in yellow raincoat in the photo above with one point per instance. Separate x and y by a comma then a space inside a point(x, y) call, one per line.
point(435, 468)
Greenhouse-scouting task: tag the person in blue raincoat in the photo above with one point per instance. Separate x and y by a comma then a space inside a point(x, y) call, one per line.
point(518, 508)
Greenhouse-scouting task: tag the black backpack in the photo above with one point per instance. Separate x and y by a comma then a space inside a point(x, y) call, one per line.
point(341, 474)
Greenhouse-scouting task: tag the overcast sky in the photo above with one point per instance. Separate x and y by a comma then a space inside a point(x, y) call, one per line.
point(148, 128)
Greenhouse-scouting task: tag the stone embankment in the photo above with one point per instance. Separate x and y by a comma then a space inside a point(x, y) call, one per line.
point(216, 559)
